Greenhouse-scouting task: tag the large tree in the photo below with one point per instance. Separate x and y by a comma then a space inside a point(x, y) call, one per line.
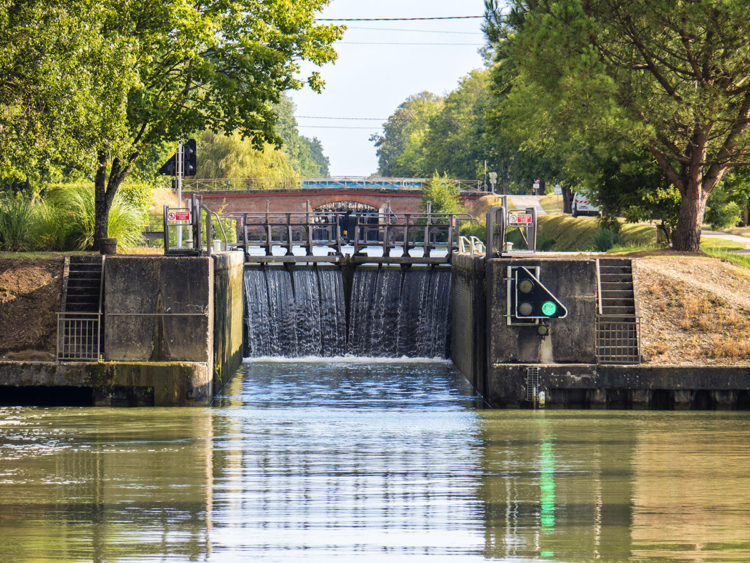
point(401, 148)
point(672, 76)
point(101, 81)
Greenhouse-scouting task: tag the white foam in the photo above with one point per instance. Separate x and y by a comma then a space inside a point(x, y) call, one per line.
point(345, 360)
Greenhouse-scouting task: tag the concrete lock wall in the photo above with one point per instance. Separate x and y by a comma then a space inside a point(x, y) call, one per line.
point(229, 301)
point(158, 309)
point(468, 320)
point(572, 339)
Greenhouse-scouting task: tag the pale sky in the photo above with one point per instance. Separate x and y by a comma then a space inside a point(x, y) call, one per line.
point(371, 80)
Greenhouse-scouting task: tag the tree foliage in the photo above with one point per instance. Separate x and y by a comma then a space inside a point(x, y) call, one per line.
point(240, 164)
point(305, 154)
point(93, 84)
point(442, 194)
point(401, 150)
point(671, 78)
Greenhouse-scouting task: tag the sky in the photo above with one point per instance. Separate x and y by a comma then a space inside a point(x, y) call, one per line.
point(371, 80)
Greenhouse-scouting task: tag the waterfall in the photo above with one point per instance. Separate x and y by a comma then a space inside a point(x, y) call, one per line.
point(393, 312)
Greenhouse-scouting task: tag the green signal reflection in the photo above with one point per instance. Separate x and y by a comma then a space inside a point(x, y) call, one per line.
point(547, 487)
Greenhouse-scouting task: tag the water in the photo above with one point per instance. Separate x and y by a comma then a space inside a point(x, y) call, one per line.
point(356, 460)
point(392, 312)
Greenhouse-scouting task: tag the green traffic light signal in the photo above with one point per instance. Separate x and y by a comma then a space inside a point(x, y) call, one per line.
point(549, 308)
point(529, 299)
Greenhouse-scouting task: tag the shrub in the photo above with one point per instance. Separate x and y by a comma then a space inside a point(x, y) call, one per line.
point(73, 220)
point(604, 239)
point(16, 224)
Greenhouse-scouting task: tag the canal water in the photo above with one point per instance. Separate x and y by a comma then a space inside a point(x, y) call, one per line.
point(391, 460)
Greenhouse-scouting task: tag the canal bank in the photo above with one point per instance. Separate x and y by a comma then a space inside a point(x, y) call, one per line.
point(593, 357)
point(173, 333)
point(168, 333)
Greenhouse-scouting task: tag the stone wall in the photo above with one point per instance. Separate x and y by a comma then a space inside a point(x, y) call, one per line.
point(572, 339)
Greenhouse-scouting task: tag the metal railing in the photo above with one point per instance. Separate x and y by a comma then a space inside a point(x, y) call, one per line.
point(471, 245)
point(78, 336)
point(317, 183)
point(427, 231)
point(618, 341)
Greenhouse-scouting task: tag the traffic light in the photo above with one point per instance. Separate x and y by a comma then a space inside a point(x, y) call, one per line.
point(532, 301)
point(169, 168)
point(188, 158)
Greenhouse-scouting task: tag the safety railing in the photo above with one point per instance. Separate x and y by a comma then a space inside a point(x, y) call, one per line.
point(618, 340)
point(427, 231)
point(78, 336)
point(471, 245)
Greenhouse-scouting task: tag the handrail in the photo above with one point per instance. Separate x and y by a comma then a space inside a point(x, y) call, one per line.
point(599, 288)
point(223, 232)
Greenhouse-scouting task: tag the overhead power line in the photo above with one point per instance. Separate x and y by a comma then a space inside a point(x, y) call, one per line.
point(399, 19)
point(440, 31)
point(411, 44)
point(346, 118)
point(372, 128)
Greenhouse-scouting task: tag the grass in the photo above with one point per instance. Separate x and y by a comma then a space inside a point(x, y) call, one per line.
point(43, 254)
point(738, 259)
point(577, 234)
point(552, 204)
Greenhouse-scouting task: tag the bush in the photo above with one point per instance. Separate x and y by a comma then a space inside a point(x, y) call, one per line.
point(70, 224)
point(604, 239)
point(17, 224)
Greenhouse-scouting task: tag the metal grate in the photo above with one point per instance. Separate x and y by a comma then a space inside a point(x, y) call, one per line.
point(618, 340)
point(532, 384)
point(78, 336)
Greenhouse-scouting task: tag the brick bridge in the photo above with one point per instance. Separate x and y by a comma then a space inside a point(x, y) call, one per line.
point(400, 200)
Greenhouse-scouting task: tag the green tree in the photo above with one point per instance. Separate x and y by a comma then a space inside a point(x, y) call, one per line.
point(670, 77)
point(104, 80)
point(401, 148)
point(442, 194)
point(305, 154)
point(455, 142)
point(237, 161)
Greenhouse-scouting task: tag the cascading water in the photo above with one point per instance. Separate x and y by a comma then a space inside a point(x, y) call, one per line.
point(392, 312)
point(291, 315)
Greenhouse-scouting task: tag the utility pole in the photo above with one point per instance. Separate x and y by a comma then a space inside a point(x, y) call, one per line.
point(179, 189)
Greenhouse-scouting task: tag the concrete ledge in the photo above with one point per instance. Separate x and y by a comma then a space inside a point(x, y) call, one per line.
point(118, 383)
point(623, 385)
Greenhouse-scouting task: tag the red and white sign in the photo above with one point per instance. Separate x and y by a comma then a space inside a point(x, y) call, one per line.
point(519, 219)
point(178, 216)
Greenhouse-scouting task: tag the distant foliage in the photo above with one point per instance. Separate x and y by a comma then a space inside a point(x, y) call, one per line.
point(605, 238)
point(443, 195)
point(234, 159)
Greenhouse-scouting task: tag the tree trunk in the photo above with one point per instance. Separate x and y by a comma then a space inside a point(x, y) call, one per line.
point(101, 210)
point(567, 197)
point(687, 235)
point(104, 194)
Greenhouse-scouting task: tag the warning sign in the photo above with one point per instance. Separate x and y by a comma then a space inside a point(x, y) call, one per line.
point(519, 219)
point(178, 216)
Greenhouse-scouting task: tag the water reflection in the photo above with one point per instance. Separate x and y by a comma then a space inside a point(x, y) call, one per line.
point(386, 461)
point(96, 484)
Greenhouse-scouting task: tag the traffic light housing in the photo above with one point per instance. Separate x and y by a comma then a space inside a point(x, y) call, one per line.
point(189, 161)
point(189, 158)
point(530, 301)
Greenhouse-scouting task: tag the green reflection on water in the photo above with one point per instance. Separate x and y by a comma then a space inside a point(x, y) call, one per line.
point(547, 486)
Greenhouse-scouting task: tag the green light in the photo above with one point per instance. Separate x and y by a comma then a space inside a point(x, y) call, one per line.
point(549, 308)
